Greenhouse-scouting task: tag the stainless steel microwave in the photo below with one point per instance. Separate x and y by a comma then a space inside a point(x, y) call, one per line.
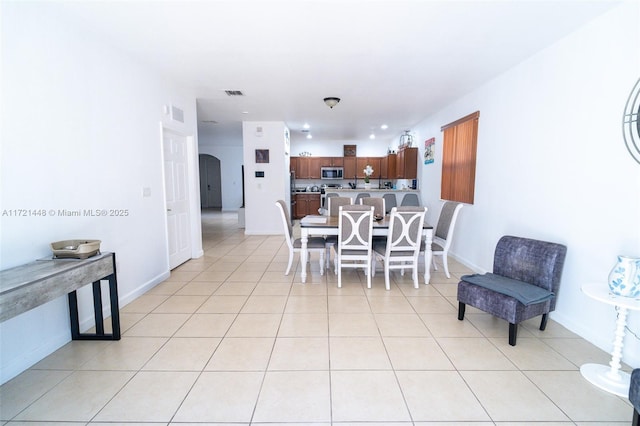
point(331, 172)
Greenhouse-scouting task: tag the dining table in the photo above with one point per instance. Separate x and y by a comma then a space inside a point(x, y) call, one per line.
point(328, 225)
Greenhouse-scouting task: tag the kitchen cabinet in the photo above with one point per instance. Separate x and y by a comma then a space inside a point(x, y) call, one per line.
point(332, 162)
point(388, 167)
point(293, 165)
point(306, 204)
point(349, 167)
point(374, 162)
point(307, 167)
point(315, 163)
point(407, 163)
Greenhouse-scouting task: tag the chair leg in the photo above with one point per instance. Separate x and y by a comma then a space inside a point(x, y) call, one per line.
point(461, 308)
point(327, 257)
point(543, 323)
point(445, 264)
point(513, 333)
point(290, 263)
point(636, 418)
point(322, 262)
point(368, 272)
point(387, 281)
point(415, 275)
point(433, 261)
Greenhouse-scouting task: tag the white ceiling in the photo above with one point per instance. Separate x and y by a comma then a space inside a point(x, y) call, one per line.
point(391, 62)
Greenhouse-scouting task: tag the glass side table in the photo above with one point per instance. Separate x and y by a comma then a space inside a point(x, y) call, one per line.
point(610, 378)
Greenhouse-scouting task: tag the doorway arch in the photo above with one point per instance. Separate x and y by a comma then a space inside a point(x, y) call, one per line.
point(210, 182)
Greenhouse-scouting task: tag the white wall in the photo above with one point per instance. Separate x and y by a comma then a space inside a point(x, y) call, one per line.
point(81, 130)
point(552, 165)
point(261, 194)
point(318, 148)
point(231, 159)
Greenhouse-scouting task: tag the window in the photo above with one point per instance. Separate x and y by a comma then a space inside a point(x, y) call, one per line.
point(459, 159)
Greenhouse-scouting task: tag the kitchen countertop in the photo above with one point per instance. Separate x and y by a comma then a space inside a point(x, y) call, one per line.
point(370, 190)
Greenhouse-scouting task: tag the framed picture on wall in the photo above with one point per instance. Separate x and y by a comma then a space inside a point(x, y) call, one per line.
point(262, 155)
point(350, 150)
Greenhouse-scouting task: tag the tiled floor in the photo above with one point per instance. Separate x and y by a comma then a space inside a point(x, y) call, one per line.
point(229, 339)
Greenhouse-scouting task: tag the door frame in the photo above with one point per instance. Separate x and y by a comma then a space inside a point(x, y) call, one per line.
point(193, 188)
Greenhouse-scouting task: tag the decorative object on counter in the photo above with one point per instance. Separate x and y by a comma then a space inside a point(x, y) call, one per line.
point(75, 249)
point(624, 278)
point(350, 150)
point(368, 171)
point(305, 154)
point(631, 122)
point(262, 155)
point(429, 154)
point(331, 101)
point(406, 140)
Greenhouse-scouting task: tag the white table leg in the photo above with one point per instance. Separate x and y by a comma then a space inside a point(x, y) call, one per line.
point(428, 256)
point(611, 378)
point(304, 238)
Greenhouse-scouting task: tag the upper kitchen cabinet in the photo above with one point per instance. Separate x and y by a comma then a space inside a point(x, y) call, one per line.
point(374, 162)
point(315, 163)
point(306, 167)
point(332, 162)
point(388, 167)
point(349, 167)
point(407, 163)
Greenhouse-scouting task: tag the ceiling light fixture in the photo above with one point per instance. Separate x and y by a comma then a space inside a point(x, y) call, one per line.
point(384, 127)
point(372, 136)
point(309, 136)
point(331, 101)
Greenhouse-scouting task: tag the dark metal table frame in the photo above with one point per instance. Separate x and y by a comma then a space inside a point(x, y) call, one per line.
point(27, 286)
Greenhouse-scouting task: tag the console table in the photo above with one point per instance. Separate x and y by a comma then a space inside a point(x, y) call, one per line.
point(610, 378)
point(27, 286)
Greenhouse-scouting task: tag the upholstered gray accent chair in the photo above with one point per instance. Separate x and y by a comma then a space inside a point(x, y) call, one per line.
point(314, 244)
point(634, 395)
point(524, 283)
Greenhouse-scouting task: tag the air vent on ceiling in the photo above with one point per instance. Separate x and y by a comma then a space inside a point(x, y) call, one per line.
point(234, 93)
point(209, 121)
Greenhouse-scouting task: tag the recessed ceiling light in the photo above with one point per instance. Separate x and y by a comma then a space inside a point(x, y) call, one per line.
point(305, 126)
point(309, 136)
point(384, 127)
point(245, 112)
point(372, 136)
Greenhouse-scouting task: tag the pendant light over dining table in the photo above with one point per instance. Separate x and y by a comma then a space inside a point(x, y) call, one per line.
point(331, 101)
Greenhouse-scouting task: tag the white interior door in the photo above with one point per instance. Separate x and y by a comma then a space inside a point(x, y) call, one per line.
point(177, 195)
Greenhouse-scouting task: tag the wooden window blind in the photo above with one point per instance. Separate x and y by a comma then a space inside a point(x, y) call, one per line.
point(459, 159)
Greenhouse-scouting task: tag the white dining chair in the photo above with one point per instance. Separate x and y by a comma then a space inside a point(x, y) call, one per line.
point(402, 246)
point(333, 207)
point(444, 235)
point(378, 204)
point(314, 244)
point(355, 229)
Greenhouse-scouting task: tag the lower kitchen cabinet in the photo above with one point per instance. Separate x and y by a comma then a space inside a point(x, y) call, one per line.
point(306, 204)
